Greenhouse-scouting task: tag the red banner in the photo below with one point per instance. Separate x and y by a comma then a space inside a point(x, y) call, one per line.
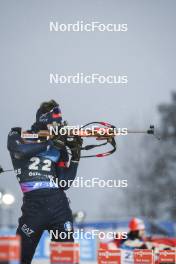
point(10, 249)
point(143, 256)
point(168, 256)
point(109, 256)
point(64, 253)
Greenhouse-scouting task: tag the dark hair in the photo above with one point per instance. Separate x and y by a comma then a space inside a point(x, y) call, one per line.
point(47, 106)
point(134, 234)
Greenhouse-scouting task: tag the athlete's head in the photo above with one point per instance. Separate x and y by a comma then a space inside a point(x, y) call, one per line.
point(49, 113)
point(137, 226)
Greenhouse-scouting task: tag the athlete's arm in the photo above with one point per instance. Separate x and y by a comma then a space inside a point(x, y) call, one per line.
point(66, 175)
point(20, 149)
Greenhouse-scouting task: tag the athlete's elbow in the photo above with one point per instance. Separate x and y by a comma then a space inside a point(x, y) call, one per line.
point(22, 153)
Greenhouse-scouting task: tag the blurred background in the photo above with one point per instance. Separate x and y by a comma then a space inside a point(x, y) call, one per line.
point(145, 53)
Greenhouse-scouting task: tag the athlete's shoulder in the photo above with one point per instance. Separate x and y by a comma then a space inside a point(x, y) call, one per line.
point(14, 136)
point(15, 131)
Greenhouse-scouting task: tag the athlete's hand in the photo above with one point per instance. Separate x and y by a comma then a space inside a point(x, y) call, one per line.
point(75, 145)
point(59, 142)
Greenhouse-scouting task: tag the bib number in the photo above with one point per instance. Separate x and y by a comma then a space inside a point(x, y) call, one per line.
point(35, 161)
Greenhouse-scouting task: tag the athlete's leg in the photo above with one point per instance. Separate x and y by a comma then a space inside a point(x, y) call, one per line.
point(28, 242)
point(61, 222)
point(30, 229)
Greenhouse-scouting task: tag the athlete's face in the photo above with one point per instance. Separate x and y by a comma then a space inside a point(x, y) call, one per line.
point(142, 233)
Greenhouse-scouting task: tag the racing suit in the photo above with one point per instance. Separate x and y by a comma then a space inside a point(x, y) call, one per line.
point(40, 167)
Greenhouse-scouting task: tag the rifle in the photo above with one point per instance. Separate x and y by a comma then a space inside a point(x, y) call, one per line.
point(101, 131)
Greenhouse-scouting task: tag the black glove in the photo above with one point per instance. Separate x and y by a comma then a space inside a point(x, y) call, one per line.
point(75, 145)
point(59, 142)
